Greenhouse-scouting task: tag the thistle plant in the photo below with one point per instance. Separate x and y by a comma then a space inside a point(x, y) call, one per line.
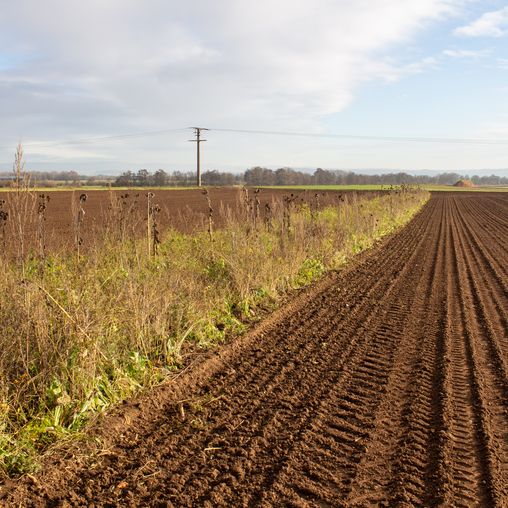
point(255, 210)
point(153, 234)
point(152, 228)
point(268, 217)
point(42, 201)
point(79, 218)
point(4, 216)
point(210, 212)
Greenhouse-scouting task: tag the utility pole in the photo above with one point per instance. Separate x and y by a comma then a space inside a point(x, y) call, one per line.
point(198, 140)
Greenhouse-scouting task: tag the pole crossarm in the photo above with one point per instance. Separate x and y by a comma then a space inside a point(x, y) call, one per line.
point(198, 141)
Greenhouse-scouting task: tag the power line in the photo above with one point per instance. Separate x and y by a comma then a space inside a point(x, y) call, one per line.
point(369, 138)
point(84, 141)
point(403, 139)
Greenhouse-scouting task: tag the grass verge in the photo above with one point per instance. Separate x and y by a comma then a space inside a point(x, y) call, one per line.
point(79, 333)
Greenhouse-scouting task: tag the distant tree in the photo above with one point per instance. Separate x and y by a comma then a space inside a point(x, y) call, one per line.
point(180, 178)
point(323, 177)
point(142, 178)
point(218, 178)
point(288, 176)
point(160, 178)
point(259, 176)
point(126, 179)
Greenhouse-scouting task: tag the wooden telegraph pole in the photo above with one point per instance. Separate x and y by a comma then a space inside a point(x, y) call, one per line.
point(198, 140)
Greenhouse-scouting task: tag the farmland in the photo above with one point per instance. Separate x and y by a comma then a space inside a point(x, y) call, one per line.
point(384, 187)
point(120, 298)
point(385, 383)
point(185, 210)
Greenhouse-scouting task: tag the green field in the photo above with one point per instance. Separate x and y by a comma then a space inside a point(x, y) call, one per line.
point(467, 189)
point(298, 187)
point(366, 187)
point(374, 187)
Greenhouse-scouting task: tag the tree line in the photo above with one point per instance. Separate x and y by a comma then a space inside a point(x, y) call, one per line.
point(160, 178)
point(42, 178)
point(57, 178)
point(259, 176)
point(256, 176)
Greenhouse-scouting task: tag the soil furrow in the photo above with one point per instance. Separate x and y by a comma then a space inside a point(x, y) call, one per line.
point(396, 415)
point(489, 240)
point(269, 392)
point(496, 288)
point(383, 386)
point(489, 376)
point(317, 392)
point(485, 309)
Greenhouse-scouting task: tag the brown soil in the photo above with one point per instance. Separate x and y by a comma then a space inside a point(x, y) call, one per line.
point(384, 385)
point(184, 210)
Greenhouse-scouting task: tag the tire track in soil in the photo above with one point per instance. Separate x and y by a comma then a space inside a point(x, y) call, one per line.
point(467, 469)
point(259, 368)
point(306, 381)
point(405, 459)
point(497, 293)
point(488, 306)
point(355, 400)
point(489, 380)
point(491, 234)
point(386, 386)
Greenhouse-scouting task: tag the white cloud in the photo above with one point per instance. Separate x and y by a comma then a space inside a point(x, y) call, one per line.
point(465, 53)
point(496, 128)
point(502, 63)
point(93, 68)
point(61, 153)
point(490, 24)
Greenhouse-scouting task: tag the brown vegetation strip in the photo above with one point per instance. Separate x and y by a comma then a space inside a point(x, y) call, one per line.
point(385, 385)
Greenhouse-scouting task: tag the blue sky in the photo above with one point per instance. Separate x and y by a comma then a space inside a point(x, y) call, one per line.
point(73, 70)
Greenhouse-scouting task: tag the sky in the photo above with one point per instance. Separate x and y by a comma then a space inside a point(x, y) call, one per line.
point(73, 72)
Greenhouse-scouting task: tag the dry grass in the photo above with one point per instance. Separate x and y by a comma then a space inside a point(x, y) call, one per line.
point(85, 330)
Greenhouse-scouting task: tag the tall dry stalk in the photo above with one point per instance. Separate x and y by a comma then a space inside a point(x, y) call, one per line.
point(245, 202)
point(210, 213)
point(78, 213)
point(123, 217)
point(21, 203)
point(268, 217)
point(42, 202)
point(153, 234)
point(4, 216)
point(255, 209)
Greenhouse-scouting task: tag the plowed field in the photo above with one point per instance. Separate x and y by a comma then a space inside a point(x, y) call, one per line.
point(385, 385)
point(185, 210)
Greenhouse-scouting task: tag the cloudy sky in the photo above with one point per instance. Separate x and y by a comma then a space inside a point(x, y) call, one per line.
point(72, 70)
